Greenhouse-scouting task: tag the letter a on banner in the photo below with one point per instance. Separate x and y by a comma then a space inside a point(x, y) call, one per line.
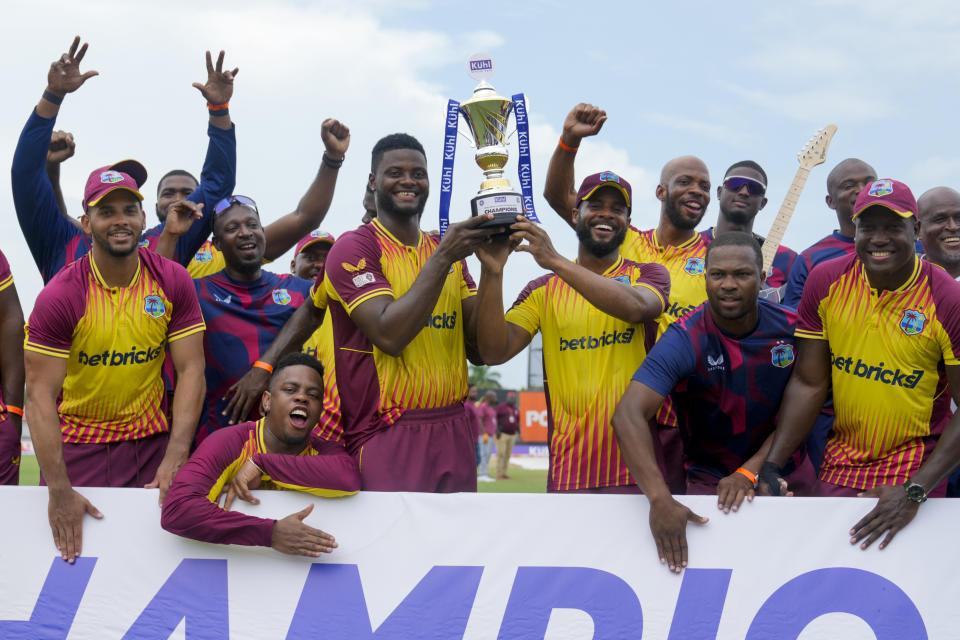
point(332, 606)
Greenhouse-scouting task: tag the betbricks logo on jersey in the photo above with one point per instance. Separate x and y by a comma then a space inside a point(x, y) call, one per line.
point(442, 321)
point(877, 373)
point(120, 358)
point(605, 339)
point(676, 311)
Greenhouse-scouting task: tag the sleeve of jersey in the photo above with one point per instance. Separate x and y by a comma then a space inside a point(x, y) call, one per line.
point(815, 290)
point(795, 282)
point(354, 270)
point(946, 295)
point(467, 286)
point(189, 510)
point(55, 314)
point(333, 473)
point(671, 360)
point(217, 180)
point(527, 311)
point(6, 278)
point(654, 277)
point(187, 318)
point(318, 292)
point(44, 228)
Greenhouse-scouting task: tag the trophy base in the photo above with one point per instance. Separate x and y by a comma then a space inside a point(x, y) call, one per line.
point(504, 205)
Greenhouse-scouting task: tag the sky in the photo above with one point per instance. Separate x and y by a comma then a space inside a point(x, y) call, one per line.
point(722, 81)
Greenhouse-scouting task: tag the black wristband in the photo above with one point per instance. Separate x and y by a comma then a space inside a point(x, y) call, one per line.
point(770, 476)
point(333, 163)
point(219, 112)
point(52, 97)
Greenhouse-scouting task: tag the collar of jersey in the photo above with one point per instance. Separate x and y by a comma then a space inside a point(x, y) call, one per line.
point(689, 243)
point(612, 268)
point(103, 283)
point(262, 445)
point(912, 280)
point(378, 226)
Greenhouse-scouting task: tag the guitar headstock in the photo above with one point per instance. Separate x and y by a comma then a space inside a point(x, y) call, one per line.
point(816, 150)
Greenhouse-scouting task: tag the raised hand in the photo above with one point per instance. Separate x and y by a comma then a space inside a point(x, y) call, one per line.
point(245, 394)
point(493, 254)
point(64, 76)
point(538, 243)
point(181, 215)
point(291, 535)
point(62, 146)
point(219, 86)
point(583, 121)
point(336, 137)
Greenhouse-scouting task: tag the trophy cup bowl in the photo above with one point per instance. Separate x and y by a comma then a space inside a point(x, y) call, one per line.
point(487, 115)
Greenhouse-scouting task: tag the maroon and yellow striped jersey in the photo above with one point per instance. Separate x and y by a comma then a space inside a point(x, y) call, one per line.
point(589, 358)
point(114, 340)
point(887, 352)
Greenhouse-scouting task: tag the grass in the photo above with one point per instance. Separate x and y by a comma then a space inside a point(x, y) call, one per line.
point(29, 471)
point(521, 480)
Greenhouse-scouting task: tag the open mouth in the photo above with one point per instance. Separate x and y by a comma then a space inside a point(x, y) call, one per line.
point(298, 418)
point(693, 206)
point(405, 195)
point(950, 241)
point(603, 229)
point(880, 255)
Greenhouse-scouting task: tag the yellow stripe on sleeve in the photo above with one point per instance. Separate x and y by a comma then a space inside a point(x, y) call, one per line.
point(47, 351)
point(314, 491)
point(663, 303)
point(367, 296)
point(189, 331)
point(813, 335)
point(6, 282)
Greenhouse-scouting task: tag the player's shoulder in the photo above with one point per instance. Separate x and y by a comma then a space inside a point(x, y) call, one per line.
point(70, 282)
point(533, 285)
point(166, 271)
point(831, 270)
point(773, 315)
point(226, 440)
point(358, 242)
point(696, 321)
point(944, 289)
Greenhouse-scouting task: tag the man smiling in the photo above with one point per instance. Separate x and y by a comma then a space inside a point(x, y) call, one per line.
point(244, 306)
point(684, 193)
point(278, 451)
point(595, 314)
point(938, 211)
point(884, 327)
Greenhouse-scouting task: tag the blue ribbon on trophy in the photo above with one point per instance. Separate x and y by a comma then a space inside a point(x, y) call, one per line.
point(486, 115)
point(449, 153)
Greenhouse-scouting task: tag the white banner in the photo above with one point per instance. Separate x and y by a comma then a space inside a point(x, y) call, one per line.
point(484, 566)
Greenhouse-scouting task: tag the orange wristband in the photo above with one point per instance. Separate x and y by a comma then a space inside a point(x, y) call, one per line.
point(14, 409)
point(749, 475)
point(566, 147)
point(266, 366)
point(218, 107)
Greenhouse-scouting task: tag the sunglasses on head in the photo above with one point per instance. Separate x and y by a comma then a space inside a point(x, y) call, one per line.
point(228, 202)
point(754, 187)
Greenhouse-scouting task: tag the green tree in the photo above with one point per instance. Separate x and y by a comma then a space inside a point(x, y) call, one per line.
point(483, 377)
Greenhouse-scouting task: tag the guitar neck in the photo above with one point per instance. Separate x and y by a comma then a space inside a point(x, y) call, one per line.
point(779, 226)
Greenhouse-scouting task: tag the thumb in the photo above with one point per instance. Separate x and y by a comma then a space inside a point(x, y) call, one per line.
point(88, 75)
point(696, 519)
point(872, 493)
point(301, 515)
point(198, 86)
point(92, 510)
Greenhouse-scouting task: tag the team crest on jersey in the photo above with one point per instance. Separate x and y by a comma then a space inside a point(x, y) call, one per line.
point(355, 269)
point(624, 279)
point(111, 177)
point(144, 243)
point(281, 296)
point(782, 355)
point(881, 188)
point(912, 322)
point(154, 306)
point(694, 266)
point(204, 255)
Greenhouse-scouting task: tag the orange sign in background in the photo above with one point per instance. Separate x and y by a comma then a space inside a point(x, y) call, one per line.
point(533, 416)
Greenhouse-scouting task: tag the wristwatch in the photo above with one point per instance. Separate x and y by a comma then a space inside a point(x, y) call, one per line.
point(915, 492)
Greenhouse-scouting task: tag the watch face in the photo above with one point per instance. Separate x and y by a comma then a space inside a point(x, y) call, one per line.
point(916, 493)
